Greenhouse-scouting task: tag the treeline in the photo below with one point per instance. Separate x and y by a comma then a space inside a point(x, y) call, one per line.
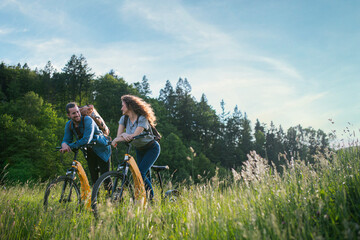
point(196, 140)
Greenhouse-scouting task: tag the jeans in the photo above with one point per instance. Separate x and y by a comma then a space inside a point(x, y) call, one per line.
point(145, 159)
point(96, 165)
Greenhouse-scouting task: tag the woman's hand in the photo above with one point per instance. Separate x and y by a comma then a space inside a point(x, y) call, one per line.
point(122, 137)
point(127, 137)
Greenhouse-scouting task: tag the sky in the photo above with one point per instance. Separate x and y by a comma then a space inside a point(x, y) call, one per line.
point(290, 62)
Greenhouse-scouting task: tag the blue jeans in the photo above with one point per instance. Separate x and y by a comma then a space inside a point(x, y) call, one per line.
point(145, 159)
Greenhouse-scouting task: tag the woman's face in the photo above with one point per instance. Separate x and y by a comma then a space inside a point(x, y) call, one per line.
point(124, 108)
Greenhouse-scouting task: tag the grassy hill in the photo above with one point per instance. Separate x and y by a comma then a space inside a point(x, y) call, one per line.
point(318, 201)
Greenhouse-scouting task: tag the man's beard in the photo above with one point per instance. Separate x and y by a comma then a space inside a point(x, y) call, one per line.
point(77, 121)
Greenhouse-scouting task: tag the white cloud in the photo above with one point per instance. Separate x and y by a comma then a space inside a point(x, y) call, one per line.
point(5, 31)
point(37, 52)
point(215, 62)
point(44, 13)
point(171, 18)
point(281, 66)
point(8, 31)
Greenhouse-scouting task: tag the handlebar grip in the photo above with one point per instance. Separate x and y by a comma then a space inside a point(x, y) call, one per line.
point(80, 147)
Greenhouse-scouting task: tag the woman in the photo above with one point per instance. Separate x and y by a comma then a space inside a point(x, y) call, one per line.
point(139, 117)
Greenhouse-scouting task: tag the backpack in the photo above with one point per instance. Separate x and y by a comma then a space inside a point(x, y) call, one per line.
point(153, 130)
point(89, 110)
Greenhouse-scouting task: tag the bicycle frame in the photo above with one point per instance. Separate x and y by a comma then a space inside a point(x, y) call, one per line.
point(114, 186)
point(76, 168)
point(130, 163)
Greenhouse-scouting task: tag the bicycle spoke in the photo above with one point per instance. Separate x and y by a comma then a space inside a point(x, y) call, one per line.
point(60, 193)
point(110, 191)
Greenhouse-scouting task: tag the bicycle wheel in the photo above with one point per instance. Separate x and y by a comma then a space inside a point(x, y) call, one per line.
point(172, 195)
point(111, 190)
point(62, 192)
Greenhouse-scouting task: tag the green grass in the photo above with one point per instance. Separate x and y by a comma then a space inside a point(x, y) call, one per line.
point(318, 201)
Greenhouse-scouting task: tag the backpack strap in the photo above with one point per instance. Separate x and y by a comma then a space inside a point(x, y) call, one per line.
point(78, 134)
point(126, 119)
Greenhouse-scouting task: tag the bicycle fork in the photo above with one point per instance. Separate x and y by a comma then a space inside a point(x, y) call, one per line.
point(84, 183)
point(115, 195)
point(140, 193)
point(70, 173)
point(68, 198)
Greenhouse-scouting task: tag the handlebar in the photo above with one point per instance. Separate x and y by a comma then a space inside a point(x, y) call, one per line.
point(83, 146)
point(141, 135)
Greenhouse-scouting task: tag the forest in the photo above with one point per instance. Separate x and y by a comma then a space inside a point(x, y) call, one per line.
point(197, 142)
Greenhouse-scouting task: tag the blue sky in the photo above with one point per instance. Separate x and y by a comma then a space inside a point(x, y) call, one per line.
point(290, 62)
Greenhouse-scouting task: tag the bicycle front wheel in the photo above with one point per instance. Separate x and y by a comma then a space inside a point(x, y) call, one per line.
point(110, 191)
point(62, 192)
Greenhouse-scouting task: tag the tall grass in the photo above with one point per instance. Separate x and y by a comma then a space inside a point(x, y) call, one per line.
point(317, 201)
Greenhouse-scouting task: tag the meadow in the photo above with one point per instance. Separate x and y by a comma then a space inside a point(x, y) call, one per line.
point(305, 201)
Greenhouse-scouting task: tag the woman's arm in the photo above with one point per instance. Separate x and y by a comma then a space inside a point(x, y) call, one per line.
point(142, 123)
point(128, 137)
point(119, 137)
point(138, 130)
point(122, 136)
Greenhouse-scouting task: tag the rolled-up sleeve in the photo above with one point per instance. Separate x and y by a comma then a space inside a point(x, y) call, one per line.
point(68, 135)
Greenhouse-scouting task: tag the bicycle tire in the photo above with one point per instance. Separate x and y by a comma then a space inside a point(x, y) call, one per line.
point(172, 195)
point(111, 190)
point(62, 192)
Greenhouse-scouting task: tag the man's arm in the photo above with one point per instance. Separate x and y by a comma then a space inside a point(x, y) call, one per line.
point(68, 137)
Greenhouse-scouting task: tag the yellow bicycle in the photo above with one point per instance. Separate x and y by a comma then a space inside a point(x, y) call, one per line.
point(118, 187)
point(64, 191)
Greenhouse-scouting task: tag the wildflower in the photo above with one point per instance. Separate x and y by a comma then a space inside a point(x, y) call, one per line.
point(192, 150)
point(236, 175)
point(255, 168)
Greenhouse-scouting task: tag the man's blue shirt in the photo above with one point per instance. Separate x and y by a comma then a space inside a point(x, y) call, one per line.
point(91, 133)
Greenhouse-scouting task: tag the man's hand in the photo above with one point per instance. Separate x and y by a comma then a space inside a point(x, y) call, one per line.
point(115, 141)
point(65, 148)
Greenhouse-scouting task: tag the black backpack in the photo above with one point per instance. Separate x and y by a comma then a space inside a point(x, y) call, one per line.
point(153, 130)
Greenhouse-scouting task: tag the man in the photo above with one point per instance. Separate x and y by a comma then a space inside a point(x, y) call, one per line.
point(86, 131)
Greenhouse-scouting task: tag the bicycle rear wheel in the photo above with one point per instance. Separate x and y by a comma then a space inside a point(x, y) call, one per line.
point(111, 190)
point(62, 192)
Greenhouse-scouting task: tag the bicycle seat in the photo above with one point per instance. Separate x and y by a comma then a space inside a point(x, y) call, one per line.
point(159, 168)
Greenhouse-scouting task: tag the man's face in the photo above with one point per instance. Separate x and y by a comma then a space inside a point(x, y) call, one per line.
point(74, 114)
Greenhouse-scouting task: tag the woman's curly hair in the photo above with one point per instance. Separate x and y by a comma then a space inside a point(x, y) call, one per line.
point(140, 107)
